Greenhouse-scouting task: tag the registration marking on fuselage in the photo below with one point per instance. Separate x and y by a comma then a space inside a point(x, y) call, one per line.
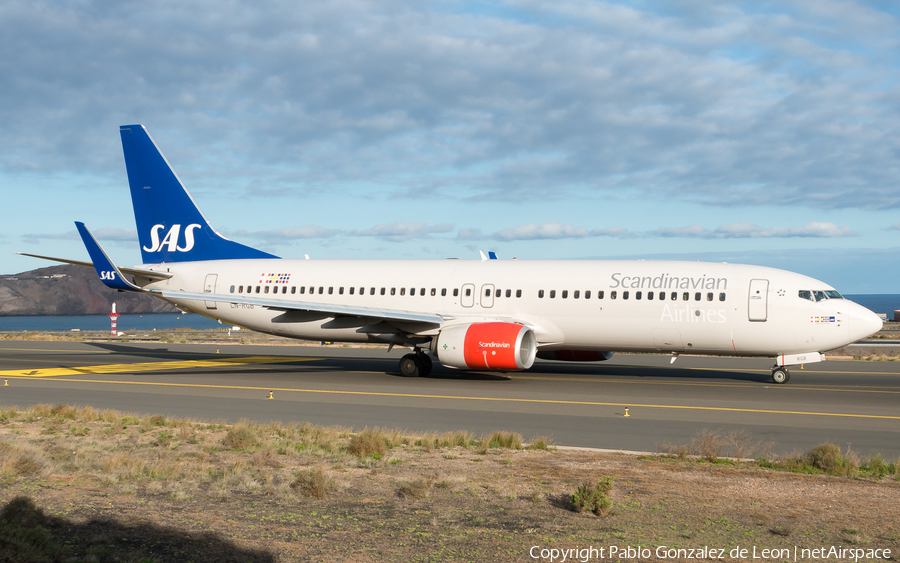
point(149, 366)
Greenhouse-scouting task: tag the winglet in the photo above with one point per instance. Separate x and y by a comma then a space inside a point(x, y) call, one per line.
point(108, 272)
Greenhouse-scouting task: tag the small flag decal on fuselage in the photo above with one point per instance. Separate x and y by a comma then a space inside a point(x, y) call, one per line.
point(275, 278)
point(821, 319)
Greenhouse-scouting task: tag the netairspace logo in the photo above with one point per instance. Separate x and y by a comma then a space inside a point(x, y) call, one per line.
point(585, 554)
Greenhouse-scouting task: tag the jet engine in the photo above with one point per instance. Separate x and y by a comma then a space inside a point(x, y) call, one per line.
point(575, 355)
point(486, 346)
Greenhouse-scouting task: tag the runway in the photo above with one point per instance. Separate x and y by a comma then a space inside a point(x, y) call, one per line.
point(575, 404)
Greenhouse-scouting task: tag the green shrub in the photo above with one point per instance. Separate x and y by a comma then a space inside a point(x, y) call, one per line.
point(240, 437)
point(313, 483)
point(593, 497)
point(368, 443)
point(825, 457)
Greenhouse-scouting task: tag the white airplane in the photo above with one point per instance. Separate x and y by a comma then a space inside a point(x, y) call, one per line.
point(472, 314)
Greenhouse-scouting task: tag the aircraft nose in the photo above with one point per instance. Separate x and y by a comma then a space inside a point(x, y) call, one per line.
point(862, 323)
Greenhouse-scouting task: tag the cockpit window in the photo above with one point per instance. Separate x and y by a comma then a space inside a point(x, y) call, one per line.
point(819, 295)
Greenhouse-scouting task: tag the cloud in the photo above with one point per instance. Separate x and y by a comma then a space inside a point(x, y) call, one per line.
point(722, 105)
point(749, 230)
point(104, 235)
point(895, 227)
point(401, 232)
point(286, 235)
point(552, 231)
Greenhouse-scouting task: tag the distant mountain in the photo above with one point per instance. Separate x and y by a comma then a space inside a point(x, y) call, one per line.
point(69, 290)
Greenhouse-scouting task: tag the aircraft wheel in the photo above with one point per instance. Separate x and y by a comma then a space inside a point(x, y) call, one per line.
point(426, 364)
point(781, 375)
point(410, 366)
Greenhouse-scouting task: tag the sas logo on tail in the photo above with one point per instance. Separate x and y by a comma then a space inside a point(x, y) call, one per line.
point(172, 238)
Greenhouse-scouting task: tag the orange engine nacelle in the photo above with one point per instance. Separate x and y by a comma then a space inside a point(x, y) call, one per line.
point(575, 355)
point(490, 346)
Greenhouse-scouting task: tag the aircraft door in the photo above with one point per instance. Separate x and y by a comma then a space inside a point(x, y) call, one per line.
point(209, 286)
point(757, 308)
point(487, 295)
point(468, 295)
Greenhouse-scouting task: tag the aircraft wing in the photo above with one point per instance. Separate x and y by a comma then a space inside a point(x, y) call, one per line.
point(306, 306)
point(155, 276)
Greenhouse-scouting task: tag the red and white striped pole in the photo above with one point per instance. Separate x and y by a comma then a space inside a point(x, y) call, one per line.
point(112, 321)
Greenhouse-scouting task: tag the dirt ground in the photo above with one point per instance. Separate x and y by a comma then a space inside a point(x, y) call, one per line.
point(109, 487)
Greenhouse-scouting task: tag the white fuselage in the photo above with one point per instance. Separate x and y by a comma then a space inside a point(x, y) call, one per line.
point(706, 308)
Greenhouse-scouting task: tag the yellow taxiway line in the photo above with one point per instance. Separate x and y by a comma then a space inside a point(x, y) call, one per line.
point(149, 366)
point(467, 398)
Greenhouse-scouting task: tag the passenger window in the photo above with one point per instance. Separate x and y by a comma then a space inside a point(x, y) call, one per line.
point(487, 292)
point(508, 293)
point(382, 290)
point(565, 293)
point(540, 293)
point(232, 289)
point(518, 293)
point(600, 294)
point(393, 291)
point(293, 290)
point(443, 292)
point(321, 290)
point(674, 296)
point(312, 290)
point(721, 297)
point(302, 289)
point(637, 294)
point(422, 292)
point(257, 289)
point(455, 292)
point(412, 291)
point(402, 291)
point(552, 294)
point(341, 290)
point(266, 290)
point(433, 291)
point(587, 294)
point(649, 296)
point(697, 296)
point(362, 290)
point(685, 296)
point(283, 289)
point(497, 294)
point(709, 296)
point(468, 291)
point(240, 289)
point(330, 290)
point(624, 295)
point(576, 294)
point(612, 294)
point(352, 289)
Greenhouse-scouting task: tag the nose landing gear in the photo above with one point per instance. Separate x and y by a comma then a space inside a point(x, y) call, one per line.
point(415, 365)
point(780, 375)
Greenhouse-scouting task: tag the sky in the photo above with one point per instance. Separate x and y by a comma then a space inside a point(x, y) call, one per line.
point(754, 132)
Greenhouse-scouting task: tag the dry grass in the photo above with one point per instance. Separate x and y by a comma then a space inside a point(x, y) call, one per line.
point(305, 491)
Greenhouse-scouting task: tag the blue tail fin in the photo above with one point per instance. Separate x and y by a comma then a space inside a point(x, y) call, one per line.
point(171, 228)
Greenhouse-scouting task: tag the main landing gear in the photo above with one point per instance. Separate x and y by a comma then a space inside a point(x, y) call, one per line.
point(415, 365)
point(781, 375)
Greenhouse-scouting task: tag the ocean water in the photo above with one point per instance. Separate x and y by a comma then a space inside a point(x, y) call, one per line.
point(877, 302)
point(124, 323)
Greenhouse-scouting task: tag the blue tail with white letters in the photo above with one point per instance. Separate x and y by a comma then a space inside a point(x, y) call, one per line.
point(171, 228)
